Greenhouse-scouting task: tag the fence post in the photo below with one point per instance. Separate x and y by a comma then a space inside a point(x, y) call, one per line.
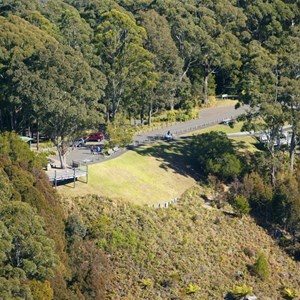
point(74, 177)
point(55, 180)
point(87, 172)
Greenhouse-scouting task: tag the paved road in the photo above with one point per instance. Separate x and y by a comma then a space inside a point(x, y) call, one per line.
point(207, 117)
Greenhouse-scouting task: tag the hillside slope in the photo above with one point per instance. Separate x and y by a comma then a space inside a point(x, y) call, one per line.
point(158, 253)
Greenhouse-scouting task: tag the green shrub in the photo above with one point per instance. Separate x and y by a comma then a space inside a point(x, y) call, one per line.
point(182, 116)
point(241, 204)
point(146, 283)
point(191, 289)
point(289, 293)
point(75, 227)
point(261, 267)
point(171, 116)
point(125, 240)
point(214, 153)
point(241, 291)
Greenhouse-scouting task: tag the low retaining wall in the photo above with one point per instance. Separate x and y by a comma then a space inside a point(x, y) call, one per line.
point(163, 204)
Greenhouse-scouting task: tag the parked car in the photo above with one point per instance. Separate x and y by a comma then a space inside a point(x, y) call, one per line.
point(79, 142)
point(96, 136)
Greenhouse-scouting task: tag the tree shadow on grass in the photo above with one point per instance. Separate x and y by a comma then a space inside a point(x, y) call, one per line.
point(174, 155)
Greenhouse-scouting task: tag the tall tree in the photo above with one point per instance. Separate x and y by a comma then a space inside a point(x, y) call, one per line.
point(120, 43)
point(260, 90)
point(167, 61)
point(290, 90)
point(48, 84)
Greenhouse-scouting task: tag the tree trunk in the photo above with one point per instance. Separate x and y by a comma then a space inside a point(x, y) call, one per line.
point(107, 114)
point(205, 88)
point(12, 120)
point(292, 151)
point(273, 169)
point(114, 105)
point(62, 156)
point(37, 135)
point(171, 104)
point(142, 115)
point(61, 150)
point(150, 114)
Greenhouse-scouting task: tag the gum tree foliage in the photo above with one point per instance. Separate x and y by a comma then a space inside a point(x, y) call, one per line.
point(286, 203)
point(120, 132)
point(47, 84)
point(127, 64)
point(261, 91)
point(31, 221)
point(290, 88)
point(270, 72)
point(167, 61)
point(26, 253)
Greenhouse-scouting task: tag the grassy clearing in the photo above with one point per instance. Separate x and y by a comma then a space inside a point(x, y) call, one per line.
point(135, 177)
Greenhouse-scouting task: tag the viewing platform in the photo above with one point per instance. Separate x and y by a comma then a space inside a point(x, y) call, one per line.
point(63, 176)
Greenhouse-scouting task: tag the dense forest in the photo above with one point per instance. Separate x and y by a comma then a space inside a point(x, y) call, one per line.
point(69, 66)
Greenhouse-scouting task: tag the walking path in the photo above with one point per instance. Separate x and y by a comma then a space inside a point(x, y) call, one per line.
point(207, 117)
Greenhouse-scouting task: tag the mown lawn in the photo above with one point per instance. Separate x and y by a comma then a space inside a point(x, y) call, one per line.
point(138, 177)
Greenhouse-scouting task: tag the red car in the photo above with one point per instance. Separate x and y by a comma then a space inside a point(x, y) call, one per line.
point(96, 136)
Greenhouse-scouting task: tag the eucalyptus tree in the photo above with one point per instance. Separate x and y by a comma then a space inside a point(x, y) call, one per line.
point(205, 38)
point(290, 89)
point(260, 89)
point(76, 31)
point(71, 99)
point(18, 7)
point(167, 61)
point(19, 41)
point(124, 59)
point(47, 84)
point(268, 21)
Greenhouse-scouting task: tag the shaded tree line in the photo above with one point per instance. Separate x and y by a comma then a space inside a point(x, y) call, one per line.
point(70, 65)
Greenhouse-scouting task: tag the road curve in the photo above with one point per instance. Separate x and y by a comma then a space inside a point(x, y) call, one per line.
point(207, 117)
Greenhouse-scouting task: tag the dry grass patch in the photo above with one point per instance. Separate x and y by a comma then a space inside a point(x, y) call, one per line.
point(159, 253)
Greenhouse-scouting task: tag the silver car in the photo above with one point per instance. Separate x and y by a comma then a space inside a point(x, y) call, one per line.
point(79, 142)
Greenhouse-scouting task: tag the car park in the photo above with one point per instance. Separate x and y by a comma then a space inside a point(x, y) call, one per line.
point(96, 136)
